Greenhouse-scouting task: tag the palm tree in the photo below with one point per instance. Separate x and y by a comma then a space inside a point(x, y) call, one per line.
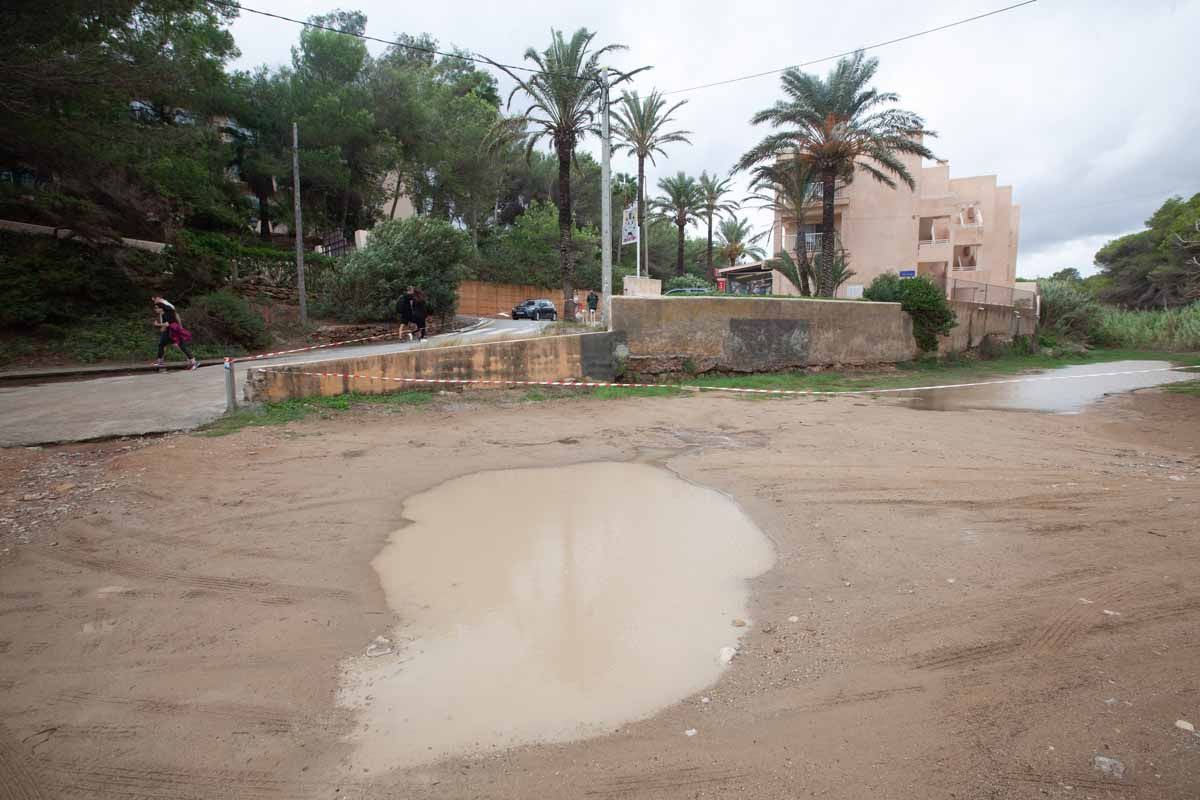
point(680, 203)
point(787, 186)
point(836, 125)
point(563, 95)
point(638, 125)
point(737, 240)
point(712, 189)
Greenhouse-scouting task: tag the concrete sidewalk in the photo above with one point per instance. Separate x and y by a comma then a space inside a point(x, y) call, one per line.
point(132, 405)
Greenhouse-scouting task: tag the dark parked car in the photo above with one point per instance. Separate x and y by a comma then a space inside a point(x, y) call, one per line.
point(687, 290)
point(535, 309)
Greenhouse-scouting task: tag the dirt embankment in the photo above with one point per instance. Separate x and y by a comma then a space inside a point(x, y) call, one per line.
point(962, 604)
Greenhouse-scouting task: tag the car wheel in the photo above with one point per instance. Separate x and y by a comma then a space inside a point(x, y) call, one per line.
point(554, 316)
point(537, 315)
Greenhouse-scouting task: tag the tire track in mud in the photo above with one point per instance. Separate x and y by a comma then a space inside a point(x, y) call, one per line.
point(17, 779)
point(77, 779)
point(653, 784)
point(265, 719)
point(260, 590)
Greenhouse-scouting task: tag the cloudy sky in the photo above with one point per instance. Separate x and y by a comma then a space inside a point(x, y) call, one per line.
point(1088, 108)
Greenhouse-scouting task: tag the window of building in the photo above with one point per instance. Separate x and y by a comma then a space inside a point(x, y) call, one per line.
point(934, 230)
point(966, 257)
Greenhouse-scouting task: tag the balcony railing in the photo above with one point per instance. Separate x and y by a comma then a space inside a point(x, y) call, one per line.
point(812, 241)
point(818, 194)
point(944, 238)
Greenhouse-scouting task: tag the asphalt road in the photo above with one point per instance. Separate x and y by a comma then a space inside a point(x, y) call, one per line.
point(159, 402)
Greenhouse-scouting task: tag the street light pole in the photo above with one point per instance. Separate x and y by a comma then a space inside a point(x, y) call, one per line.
point(299, 226)
point(606, 206)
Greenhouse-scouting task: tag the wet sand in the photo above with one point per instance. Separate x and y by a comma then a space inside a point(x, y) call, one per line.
point(183, 630)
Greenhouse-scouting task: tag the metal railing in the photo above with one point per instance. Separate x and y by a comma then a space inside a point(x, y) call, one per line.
point(992, 294)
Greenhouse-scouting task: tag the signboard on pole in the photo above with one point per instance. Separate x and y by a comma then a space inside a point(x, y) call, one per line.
point(629, 226)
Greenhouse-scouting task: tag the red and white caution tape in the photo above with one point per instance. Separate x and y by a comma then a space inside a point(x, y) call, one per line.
point(728, 389)
point(314, 347)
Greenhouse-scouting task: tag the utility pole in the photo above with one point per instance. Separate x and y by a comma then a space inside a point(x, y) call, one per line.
point(299, 227)
point(606, 206)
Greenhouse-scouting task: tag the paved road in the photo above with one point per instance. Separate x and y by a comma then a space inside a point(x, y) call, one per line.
point(167, 401)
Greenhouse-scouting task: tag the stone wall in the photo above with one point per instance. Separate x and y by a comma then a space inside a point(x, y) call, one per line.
point(542, 358)
point(741, 334)
point(977, 321)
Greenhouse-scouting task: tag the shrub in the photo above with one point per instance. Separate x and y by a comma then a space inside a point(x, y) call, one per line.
point(687, 282)
point(224, 318)
point(1068, 310)
point(925, 301)
point(1165, 329)
point(422, 252)
point(885, 288)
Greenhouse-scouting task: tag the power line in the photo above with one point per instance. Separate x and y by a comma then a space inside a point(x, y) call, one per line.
point(364, 37)
point(855, 50)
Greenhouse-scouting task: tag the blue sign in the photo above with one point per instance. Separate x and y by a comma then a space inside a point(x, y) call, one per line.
point(908, 273)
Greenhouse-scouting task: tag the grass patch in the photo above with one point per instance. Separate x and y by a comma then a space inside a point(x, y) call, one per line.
point(272, 414)
point(1184, 387)
point(622, 392)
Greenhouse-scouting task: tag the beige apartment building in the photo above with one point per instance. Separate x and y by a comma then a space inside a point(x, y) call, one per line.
point(962, 232)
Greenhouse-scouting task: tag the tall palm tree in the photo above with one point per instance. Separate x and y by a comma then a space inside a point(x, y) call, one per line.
point(788, 186)
point(835, 125)
point(712, 190)
point(638, 125)
point(681, 204)
point(563, 95)
point(737, 240)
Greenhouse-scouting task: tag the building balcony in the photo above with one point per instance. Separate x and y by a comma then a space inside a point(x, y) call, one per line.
point(969, 235)
point(841, 196)
point(937, 249)
point(813, 242)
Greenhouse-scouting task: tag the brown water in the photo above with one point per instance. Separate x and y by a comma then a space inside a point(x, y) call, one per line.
point(1059, 391)
point(547, 605)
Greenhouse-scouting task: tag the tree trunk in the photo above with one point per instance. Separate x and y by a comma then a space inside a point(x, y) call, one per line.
point(825, 273)
point(396, 196)
point(708, 253)
point(804, 268)
point(566, 253)
point(643, 244)
point(264, 216)
point(679, 249)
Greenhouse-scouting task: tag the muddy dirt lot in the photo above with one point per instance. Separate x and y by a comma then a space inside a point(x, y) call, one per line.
point(960, 604)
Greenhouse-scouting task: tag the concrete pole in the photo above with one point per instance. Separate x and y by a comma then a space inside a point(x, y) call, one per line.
point(230, 387)
point(299, 226)
point(606, 206)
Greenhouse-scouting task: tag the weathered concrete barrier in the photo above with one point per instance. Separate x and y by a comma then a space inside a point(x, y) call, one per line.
point(542, 358)
point(977, 322)
point(741, 334)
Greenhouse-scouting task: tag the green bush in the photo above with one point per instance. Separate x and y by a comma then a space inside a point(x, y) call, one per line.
point(1165, 329)
point(925, 301)
point(224, 318)
point(1068, 310)
point(422, 252)
point(885, 288)
point(687, 282)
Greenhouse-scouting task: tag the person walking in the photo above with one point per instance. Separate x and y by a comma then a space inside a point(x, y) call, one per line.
point(171, 332)
point(419, 312)
point(593, 301)
point(404, 307)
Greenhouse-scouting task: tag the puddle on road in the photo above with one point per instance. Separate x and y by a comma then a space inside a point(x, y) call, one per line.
point(546, 605)
point(1068, 396)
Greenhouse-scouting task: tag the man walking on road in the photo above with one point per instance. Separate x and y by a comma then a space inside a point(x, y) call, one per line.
point(404, 307)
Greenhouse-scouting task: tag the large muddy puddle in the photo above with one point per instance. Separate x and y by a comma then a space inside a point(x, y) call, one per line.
point(1060, 391)
point(545, 605)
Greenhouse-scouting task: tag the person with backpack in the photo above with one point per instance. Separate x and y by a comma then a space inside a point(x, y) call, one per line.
point(171, 332)
point(404, 308)
point(593, 300)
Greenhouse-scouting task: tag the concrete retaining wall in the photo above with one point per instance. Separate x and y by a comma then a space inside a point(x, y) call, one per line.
point(758, 334)
point(977, 321)
point(548, 358)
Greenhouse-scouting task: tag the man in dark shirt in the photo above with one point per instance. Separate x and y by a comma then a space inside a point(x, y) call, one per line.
point(404, 307)
point(593, 300)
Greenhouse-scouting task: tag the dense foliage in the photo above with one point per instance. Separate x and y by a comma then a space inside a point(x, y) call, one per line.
point(430, 254)
point(923, 299)
point(224, 318)
point(1158, 267)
